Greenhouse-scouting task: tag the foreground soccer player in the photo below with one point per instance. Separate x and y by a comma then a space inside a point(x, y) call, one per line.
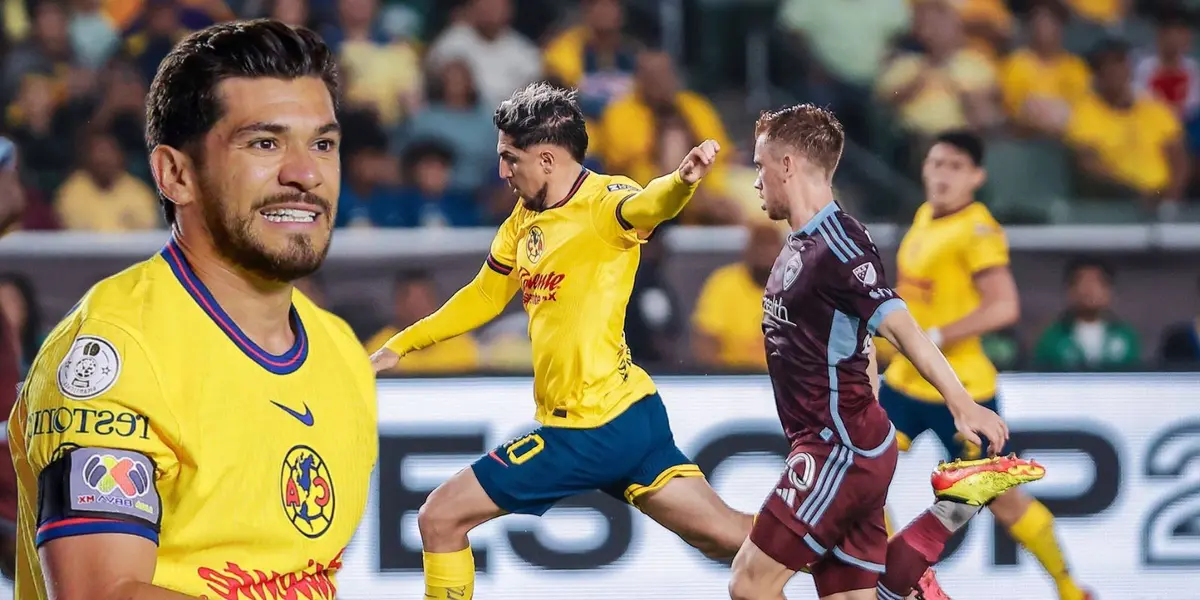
point(571, 246)
point(826, 296)
point(953, 272)
point(195, 427)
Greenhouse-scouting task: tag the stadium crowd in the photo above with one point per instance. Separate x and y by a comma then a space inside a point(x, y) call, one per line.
point(1093, 99)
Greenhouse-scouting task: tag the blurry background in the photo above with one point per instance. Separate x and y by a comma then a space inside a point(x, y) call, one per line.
point(1100, 203)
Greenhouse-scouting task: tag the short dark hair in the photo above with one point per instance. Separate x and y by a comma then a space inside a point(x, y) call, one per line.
point(1081, 263)
point(1106, 51)
point(182, 104)
point(1056, 8)
point(425, 148)
point(812, 130)
point(1173, 15)
point(540, 113)
point(411, 277)
point(966, 141)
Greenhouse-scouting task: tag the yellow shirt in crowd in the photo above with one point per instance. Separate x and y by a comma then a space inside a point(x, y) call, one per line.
point(455, 355)
point(128, 205)
point(1131, 143)
point(729, 309)
point(937, 107)
point(1024, 76)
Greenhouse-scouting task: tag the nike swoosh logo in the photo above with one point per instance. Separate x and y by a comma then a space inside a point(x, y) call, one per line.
point(306, 417)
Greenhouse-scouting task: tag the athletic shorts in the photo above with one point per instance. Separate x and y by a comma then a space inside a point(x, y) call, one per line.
point(912, 417)
point(825, 516)
point(628, 457)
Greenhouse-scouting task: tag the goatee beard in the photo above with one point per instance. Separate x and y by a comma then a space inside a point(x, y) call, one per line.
point(234, 239)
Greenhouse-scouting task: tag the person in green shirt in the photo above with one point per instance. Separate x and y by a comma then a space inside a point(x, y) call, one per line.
point(1088, 336)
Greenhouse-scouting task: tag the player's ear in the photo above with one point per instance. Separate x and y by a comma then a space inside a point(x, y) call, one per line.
point(788, 163)
point(174, 174)
point(980, 177)
point(546, 159)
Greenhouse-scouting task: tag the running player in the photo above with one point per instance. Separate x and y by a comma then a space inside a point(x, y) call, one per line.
point(953, 271)
point(195, 427)
point(571, 247)
point(827, 294)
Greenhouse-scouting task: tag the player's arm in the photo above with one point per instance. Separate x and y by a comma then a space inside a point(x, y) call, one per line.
point(999, 303)
point(99, 508)
point(475, 304)
point(664, 198)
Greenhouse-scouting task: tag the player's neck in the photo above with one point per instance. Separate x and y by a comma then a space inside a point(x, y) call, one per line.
point(945, 211)
point(561, 184)
point(807, 203)
point(260, 308)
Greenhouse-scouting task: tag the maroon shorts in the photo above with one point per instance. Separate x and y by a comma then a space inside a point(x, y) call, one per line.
point(826, 516)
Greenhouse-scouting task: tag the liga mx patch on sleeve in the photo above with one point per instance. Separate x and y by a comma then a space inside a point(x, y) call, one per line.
point(616, 187)
point(89, 369)
point(101, 483)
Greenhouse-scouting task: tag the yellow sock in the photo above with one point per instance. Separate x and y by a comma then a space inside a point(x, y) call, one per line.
point(450, 575)
point(1035, 531)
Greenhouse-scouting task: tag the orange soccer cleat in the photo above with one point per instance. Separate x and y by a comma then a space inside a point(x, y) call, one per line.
point(978, 482)
point(929, 589)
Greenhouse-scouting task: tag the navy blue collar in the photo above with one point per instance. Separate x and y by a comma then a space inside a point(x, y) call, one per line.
point(279, 364)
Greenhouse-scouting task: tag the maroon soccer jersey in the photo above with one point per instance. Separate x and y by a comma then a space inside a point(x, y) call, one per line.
point(826, 295)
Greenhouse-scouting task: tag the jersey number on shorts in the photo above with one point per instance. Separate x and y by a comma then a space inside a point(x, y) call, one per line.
point(522, 449)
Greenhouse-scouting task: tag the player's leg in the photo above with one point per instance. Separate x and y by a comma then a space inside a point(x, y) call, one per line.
point(449, 513)
point(524, 476)
point(962, 489)
point(671, 489)
point(757, 576)
point(1028, 521)
point(908, 415)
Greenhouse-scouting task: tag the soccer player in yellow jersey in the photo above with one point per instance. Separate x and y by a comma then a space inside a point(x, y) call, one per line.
point(953, 271)
point(571, 249)
point(196, 428)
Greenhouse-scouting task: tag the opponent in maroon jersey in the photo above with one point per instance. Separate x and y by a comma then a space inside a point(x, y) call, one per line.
point(827, 295)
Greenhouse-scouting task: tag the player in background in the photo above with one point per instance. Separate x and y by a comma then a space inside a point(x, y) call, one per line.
point(953, 271)
point(826, 296)
point(195, 427)
point(571, 248)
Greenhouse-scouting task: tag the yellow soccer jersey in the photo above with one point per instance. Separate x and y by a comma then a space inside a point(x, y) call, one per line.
point(576, 263)
point(148, 412)
point(936, 263)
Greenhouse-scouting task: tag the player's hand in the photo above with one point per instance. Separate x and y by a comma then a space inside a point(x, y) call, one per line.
point(976, 421)
point(699, 161)
point(384, 359)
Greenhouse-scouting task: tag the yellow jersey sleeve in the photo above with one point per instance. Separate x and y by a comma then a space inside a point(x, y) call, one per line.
point(607, 212)
point(645, 209)
point(100, 434)
point(502, 255)
point(987, 246)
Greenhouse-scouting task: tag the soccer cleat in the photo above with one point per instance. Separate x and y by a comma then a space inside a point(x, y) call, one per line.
point(978, 482)
point(929, 589)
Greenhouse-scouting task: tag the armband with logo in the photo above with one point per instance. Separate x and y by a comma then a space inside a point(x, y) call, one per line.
point(98, 490)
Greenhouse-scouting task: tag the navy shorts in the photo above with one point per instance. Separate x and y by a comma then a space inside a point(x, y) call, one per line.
point(912, 417)
point(628, 457)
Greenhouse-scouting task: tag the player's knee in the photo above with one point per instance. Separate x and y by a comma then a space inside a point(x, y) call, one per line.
point(438, 520)
point(718, 544)
point(742, 586)
point(1010, 506)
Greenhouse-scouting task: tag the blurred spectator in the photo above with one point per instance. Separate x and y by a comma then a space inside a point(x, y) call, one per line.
point(47, 53)
point(13, 201)
point(1088, 336)
point(633, 127)
point(653, 320)
point(426, 200)
point(1042, 82)
point(456, 118)
point(381, 73)
point(594, 57)
point(1003, 349)
point(1127, 146)
point(504, 344)
point(22, 316)
point(101, 195)
point(292, 12)
point(948, 85)
point(119, 107)
point(10, 377)
point(371, 179)
point(843, 47)
point(153, 32)
point(988, 25)
point(727, 322)
point(1181, 343)
point(1103, 12)
point(41, 131)
point(416, 298)
point(501, 59)
point(1170, 73)
point(94, 37)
